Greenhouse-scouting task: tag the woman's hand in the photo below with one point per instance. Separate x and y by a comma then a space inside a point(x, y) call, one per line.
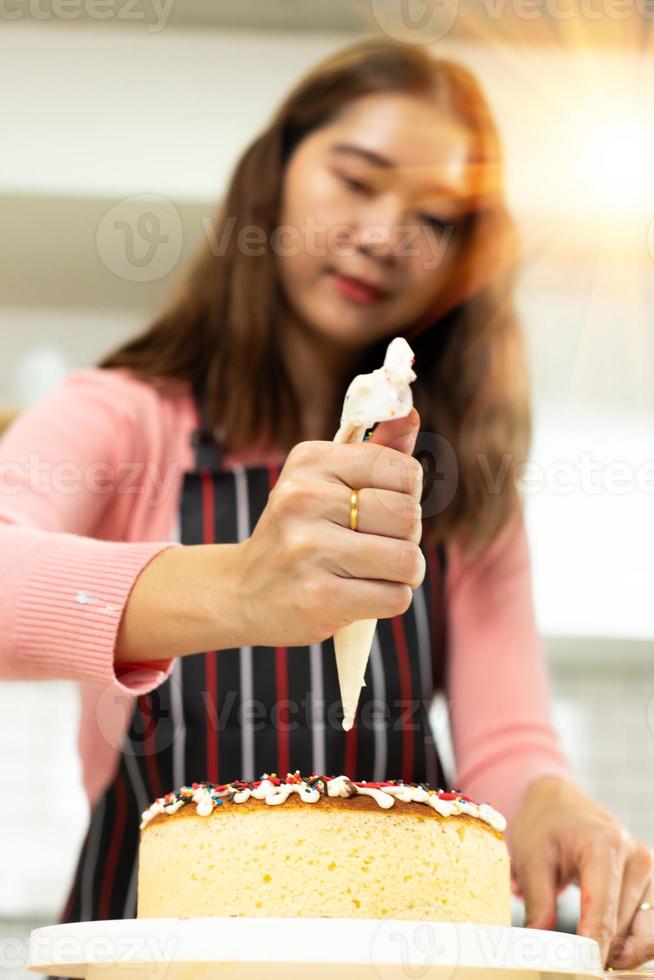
point(303, 573)
point(561, 836)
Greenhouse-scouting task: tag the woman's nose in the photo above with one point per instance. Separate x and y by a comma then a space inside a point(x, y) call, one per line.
point(380, 229)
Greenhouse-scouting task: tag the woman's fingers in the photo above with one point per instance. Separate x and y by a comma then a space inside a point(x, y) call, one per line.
point(634, 926)
point(537, 881)
point(384, 512)
point(371, 556)
point(601, 869)
point(637, 877)
point(399, 434)
point(638, 946)
point(637, 949)
point(368, 599)
point(360, 465)
point(560, 835)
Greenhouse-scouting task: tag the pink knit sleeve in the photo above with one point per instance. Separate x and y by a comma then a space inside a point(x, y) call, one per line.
point(498, 683)
point(63, 590)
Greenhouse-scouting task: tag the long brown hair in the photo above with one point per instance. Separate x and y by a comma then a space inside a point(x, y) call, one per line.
point(220, 332)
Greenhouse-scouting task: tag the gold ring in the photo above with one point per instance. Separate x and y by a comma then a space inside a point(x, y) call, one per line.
point(645, 906)
point(354, 510)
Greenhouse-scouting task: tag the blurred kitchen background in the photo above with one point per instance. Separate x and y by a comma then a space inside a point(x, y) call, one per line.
point(113, 110)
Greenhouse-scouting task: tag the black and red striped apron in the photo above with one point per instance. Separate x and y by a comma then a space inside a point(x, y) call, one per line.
point(235, 714)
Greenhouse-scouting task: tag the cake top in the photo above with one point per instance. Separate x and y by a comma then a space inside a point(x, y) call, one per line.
point(274, 790)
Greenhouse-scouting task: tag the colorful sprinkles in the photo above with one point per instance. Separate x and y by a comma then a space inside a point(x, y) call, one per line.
point(275, 790)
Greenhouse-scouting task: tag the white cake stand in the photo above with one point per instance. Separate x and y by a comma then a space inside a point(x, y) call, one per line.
point(304, 949)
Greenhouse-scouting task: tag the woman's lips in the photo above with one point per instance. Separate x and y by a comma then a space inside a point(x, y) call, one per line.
point(357, 290)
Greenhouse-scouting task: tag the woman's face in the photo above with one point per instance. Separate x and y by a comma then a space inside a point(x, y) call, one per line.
point(370, 203)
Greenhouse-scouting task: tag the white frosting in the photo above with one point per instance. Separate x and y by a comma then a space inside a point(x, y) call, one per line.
point(273, 795)
point(207, 799)
point(383, 799)
point(339, 786)
point(263, 790)
point(398, 362)
point(203, 802)
point(381, 395)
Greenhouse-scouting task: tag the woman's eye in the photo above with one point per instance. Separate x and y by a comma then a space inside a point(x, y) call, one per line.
point(355, 185)
point(437, 224)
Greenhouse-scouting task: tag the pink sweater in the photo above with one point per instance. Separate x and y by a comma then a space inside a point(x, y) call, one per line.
point(90, 480)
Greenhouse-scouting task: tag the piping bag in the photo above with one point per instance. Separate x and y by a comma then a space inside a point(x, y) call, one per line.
point(377, 397)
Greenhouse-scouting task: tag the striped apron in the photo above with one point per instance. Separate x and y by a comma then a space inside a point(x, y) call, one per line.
point(235, 714)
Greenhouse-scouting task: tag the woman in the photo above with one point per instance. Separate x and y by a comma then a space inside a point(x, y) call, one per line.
point(370, 207)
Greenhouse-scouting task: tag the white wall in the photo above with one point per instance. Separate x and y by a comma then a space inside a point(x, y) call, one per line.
point(135, 113)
